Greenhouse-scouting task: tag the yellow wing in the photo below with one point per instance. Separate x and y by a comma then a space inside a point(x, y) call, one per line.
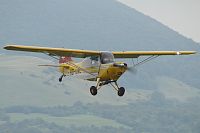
point(85, 53)
point(136, 54)
point(54, 51)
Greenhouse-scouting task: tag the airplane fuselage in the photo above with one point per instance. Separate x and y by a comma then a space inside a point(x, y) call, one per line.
point(106, 72)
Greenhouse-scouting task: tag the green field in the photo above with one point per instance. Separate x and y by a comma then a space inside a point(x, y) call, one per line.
point(77, 120)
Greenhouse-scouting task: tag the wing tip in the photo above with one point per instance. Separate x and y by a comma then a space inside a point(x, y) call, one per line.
point(9, 46)
point(186, 52)
point(6, 47)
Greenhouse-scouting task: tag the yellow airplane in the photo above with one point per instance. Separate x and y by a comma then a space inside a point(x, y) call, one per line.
point(99, 66)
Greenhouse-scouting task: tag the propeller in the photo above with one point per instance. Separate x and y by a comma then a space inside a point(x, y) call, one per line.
point(132, 70)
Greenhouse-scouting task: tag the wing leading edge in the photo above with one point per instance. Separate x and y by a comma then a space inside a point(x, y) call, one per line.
point(85, 53)
point(136, 54)
point(54, 51)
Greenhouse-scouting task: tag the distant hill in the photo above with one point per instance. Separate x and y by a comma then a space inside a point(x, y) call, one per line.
point(162, 97)
point(85, 24)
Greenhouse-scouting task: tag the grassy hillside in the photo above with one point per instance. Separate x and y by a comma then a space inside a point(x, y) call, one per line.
point(78, 120)
point(32, 95)
point(99, 25)
point(23, 82)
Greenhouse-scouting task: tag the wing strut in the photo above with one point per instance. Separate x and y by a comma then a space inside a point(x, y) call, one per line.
point(80, 68)
point(145, 60)
point(51, 55)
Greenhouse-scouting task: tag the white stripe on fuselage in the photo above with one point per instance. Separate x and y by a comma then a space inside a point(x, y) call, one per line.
point(86, 76)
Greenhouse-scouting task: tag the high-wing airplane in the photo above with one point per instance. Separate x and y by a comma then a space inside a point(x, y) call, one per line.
point(99, 66)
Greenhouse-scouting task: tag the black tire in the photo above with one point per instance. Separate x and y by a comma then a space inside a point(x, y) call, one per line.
point(121, 91)
point(60, 79)
point(93, 90)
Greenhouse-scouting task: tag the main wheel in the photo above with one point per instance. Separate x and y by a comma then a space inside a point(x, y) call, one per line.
point(121, 91)
point(93, 90)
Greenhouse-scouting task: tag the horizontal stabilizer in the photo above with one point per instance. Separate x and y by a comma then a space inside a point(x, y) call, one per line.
point(51, 65)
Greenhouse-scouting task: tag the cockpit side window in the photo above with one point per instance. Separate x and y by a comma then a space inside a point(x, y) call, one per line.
point(107, 57)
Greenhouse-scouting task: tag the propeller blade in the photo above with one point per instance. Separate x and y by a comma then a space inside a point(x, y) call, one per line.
point(132, 70)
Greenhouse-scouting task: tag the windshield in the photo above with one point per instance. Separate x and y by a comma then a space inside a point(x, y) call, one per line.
point(107, 57)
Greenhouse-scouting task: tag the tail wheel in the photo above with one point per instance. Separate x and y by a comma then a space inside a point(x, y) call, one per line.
point(121, 91)
point(60, 79)
point(93, 90)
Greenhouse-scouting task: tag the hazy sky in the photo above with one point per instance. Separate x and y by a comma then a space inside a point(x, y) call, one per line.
point(181, 15)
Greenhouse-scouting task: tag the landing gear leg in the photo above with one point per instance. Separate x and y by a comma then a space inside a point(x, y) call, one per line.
point(93, 89)
point(120, 90)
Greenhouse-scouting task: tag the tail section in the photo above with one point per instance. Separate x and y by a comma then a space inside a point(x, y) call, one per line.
point(65, 59)
point(65, 65)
